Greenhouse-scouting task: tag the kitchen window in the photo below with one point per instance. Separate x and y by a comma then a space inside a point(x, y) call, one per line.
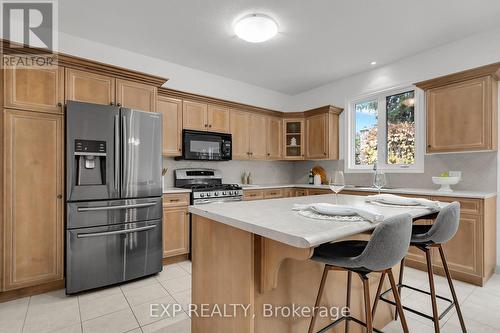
point(387, 129)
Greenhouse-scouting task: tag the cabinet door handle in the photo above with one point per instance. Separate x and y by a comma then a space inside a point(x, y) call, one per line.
point(429, 146)
point(206, 125)
point(59, 196)
point(59, 104)
point(118, 104)
point(173, 200)
point(111, 103)
point(210, 126)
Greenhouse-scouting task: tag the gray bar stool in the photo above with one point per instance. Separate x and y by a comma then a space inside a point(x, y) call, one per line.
point(425, 237)
point(388, 244)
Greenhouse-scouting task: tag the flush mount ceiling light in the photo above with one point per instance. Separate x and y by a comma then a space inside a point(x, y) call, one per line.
point(256, 28)
point(373, 63)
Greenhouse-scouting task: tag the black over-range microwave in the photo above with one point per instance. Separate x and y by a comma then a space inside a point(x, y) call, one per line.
point(206, 146)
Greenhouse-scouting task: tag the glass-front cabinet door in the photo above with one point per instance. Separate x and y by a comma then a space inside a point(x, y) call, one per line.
point(294, 139)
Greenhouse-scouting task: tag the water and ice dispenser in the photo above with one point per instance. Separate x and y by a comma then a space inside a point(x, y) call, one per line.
point(90, 163)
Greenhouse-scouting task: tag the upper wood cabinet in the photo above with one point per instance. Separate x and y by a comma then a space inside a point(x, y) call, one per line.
point(35, 89)
point(462, 116)
point(249, 132)
point(194, 115)
point(218, 119)
point(171, 110)
point(205, 117)
point(462, 110)
point(135, 95)
point(89, 87)
point(293, 133)
point(240, 130)
point(322, 135)
point(33, 202)
point(274, 138)
point(258, 134)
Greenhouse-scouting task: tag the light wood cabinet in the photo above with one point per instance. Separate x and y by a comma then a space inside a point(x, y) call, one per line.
point(273, 193)
point(194, 116)
point(89, 87)
point(240, 130)
point(462, 116)
point(218, 119)
point(176, 233)
point(34, 89)
point(257, 132)
point(274, 138)
point(171, 110)
point(293, 130)
point(33, 202)
point(249, 195)
point(322, 135)
point(135, 95)
point(318, 192)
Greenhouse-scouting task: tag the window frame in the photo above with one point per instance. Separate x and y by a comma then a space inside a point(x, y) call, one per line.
point(380, 96)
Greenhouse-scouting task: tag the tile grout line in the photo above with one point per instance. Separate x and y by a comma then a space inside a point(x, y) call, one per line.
point(79, 312)
point(26, 314)
point(132, 310)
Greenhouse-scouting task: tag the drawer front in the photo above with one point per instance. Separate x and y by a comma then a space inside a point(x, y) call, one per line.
point(300, 192)
point(467, 206)
point(175, 199)
point(253, 195)
point(273, 193)
point(318, 192)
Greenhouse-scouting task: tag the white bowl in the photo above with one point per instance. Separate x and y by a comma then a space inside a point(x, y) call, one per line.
point(445, 182)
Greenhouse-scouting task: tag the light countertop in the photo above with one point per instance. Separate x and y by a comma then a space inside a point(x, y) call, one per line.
point(167, 190)
point(416, 191)
point(276, 220)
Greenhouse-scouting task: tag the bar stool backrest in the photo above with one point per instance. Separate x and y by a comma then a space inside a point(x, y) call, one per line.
point(388, 245)
point(446, 224)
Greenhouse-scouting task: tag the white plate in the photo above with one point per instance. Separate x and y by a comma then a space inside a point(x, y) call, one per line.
point(329, 209)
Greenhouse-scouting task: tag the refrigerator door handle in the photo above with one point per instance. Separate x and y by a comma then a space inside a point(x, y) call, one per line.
point(118, 232)
point(124, 154)
point(117, 151)
point(93, 209)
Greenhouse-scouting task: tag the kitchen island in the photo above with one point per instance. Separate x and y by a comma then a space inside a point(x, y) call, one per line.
point(257, 254)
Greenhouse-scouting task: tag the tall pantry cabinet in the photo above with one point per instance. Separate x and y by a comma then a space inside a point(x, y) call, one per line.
point(32, 160)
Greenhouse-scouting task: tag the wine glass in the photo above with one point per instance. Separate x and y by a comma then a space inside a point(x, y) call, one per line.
point(337, 184)
point(379, 180)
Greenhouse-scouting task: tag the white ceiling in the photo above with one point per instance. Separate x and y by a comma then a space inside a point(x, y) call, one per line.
point(319, 40)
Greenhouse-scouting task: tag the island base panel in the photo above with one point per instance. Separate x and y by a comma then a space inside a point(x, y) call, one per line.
point(227, 269)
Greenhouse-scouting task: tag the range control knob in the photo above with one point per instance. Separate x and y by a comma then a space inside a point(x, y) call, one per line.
point(224, 193)
point(216, 194)
point(209, 194)
point(202, 195)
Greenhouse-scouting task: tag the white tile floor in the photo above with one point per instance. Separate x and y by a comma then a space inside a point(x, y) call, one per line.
point(126, 308)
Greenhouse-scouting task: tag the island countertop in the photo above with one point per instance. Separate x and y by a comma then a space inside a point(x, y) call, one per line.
point(275, 219)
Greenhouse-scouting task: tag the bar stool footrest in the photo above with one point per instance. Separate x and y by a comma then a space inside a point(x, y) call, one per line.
point(402, 285)
point(345, 318)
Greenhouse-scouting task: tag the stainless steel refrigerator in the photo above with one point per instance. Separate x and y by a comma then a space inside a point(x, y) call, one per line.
point(113, 195)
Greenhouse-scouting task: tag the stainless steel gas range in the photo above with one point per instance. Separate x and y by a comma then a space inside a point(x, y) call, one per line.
point(206, 186)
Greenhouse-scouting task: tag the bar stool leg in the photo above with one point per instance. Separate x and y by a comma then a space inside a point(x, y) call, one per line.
point(318, 299)
point(368, 312)
point(397, 299)
point(400, 282)
point(348, 299)
point(379, 291)
point(452, 288)
point(435, 314)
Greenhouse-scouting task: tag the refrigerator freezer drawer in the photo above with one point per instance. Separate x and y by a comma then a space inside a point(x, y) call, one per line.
point(102, 256)
point(108, 212)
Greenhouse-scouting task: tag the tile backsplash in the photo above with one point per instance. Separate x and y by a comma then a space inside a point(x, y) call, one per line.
point(263, 172)
point(479, 171)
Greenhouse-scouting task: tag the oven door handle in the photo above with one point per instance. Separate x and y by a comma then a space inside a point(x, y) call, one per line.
point(91, 209)
point(118, 232)
point(222, 200)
